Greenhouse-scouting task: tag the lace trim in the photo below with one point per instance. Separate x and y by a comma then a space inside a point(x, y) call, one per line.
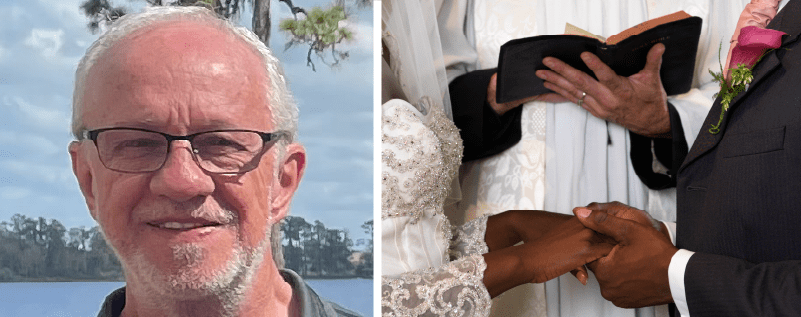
point(469, 238)
point(455, 289)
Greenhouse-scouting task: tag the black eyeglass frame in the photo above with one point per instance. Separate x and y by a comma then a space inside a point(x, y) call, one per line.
point(267, 137)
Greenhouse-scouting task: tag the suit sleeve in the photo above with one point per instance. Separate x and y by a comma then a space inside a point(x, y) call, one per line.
point(718, 285)
point(483, 131)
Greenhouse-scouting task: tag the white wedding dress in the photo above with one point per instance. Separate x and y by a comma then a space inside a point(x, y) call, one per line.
point(427, 268)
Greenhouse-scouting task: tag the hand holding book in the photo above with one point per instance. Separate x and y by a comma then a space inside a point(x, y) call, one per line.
point(637, 102)
point(619, 79)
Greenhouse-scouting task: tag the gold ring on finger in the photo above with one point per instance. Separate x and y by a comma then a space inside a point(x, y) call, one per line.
point(581, 100)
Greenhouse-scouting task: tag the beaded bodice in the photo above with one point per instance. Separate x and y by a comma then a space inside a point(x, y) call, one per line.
point(419, 160)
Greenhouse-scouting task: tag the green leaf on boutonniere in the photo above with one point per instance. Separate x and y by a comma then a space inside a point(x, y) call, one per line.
point(753, 44)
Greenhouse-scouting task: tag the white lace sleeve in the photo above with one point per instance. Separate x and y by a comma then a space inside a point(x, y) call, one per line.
point(469, 238)
point(454, 289)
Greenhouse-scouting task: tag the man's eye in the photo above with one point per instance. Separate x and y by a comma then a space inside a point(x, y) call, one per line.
point(212, 145)
point(139, 143)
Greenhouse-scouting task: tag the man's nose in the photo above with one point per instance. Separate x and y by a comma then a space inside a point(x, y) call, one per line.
point(181, 179)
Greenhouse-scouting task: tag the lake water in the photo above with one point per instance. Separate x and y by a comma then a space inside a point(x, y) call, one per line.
point(83, 299)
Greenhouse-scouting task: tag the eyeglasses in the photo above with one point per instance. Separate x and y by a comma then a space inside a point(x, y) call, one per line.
point(132, 150)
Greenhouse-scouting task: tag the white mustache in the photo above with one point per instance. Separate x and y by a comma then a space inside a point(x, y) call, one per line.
point(219, 215)
point(208, 212)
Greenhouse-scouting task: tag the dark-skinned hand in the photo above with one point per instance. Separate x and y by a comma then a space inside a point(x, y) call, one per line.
point(568, 245)
point(638, 102)
point(623, 211)
point(635, 273)
point(512, 226)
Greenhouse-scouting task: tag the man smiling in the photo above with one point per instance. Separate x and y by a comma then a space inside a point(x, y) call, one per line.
point(186, 156)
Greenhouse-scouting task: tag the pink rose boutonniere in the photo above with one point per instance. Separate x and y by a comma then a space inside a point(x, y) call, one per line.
point(753, 43)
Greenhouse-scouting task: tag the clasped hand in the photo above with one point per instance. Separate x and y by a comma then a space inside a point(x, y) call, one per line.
point(634, 273)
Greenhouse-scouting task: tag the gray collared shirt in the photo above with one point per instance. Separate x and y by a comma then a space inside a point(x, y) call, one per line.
point(311, 305)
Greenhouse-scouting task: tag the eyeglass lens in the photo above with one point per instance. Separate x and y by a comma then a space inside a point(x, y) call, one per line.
point(143, 151)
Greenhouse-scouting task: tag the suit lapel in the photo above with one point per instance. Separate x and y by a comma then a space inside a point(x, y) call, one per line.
point(786, 21)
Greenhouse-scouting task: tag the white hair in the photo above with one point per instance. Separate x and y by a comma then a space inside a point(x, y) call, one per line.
point(284, 111)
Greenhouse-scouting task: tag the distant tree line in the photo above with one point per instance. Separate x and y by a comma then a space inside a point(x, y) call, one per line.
point(37, 249)
point(312, 250)
point(34, 249)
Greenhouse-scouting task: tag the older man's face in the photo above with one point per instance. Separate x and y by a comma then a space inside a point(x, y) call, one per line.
point(182, 78)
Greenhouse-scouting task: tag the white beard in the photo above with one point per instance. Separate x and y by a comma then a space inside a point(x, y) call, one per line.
point(225, 285)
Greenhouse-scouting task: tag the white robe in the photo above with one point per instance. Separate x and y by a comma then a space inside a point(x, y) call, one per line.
point(585, 159)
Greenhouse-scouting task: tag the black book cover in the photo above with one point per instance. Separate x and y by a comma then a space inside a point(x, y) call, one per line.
point(520, 58)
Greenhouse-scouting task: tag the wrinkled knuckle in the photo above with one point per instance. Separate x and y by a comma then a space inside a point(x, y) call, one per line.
point(582, 81)
point(601, 217)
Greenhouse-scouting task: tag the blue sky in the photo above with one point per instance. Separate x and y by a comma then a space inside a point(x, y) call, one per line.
point(41, 42)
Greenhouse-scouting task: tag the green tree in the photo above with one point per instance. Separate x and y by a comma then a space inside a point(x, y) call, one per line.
point(56, 256)
point(366, 267)
point(293, 229)
point(321, 30)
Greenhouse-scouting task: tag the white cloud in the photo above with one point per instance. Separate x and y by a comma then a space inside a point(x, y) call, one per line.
point(66, 9)
point(41, 173)
point(362, 36)
point(337, 194)
point(46, 118)
point(35, 143)
point(17, 13)
point(13, 192)
point(49, 41)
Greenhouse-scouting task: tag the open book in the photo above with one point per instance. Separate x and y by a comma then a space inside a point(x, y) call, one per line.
point(625, 52)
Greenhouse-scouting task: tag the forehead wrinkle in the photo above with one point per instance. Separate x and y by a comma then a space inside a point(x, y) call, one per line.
point(234, 64)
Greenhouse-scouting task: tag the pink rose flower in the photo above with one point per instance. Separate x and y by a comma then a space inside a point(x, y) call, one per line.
point(753, 42)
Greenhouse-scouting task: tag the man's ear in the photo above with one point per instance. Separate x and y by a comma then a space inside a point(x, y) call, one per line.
point(290, 171)
point(80, 167)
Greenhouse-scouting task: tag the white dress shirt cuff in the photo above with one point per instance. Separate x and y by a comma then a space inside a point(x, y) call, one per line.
point(671, 226)
point(678, 264)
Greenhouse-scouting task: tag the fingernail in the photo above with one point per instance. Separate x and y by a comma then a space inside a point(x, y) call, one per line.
point(540, 74)
point(583, 212)
point(548, 62)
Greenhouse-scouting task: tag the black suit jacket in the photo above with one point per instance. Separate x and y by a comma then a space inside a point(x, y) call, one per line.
point(739, 193)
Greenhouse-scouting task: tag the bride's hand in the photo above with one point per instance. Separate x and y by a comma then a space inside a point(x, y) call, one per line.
point(501, 108)
point(554, 244)
point(568, 246)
